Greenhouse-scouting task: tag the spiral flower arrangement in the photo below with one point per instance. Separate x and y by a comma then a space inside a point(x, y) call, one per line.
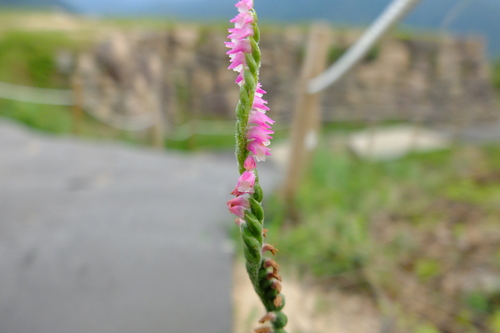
point(253, 135)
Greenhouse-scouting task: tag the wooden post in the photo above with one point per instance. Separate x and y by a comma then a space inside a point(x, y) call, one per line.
point(154, 97)
point(304, 136)
point(157, 130)
point(77, 108)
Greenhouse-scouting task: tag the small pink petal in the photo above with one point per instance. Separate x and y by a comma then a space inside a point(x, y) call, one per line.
point(245, 183)
point(260, 119)
point(260, 151)
point(258, 131)
point(259, 89)
point(242, 45)
point(260, 106)
point(240, 33)
point(238, 205)
point(259, 99)
point(237, 61)
point(239, 78)
point(242, 19)
point(250, 163)
point(244, 5)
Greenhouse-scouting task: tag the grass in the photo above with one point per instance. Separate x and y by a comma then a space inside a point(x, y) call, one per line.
point(47, 118)
point(371, 223)
point(496, 74)
point(28, 57)
point(341, 194)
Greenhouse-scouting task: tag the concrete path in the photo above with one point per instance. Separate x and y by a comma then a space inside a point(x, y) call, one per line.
point(106, 238)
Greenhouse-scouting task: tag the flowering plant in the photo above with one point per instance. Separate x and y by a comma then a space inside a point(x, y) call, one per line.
point(253, 135)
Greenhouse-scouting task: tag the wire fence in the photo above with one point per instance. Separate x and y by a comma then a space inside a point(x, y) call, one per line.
point(36, 95)
point(65, 97)
point(182, 132)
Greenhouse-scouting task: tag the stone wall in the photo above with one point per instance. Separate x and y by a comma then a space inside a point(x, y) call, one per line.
point(183, 73)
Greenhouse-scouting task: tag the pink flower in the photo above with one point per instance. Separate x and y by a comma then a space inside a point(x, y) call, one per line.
point(244, 5)
point(259, 150)
point(245, 183)
point(239, 79)
point(242, 19)
point(260, 119)
point(250, 163)
point(241, 45)
point(259, 125)
point(240, 33)
point(258, 103)
point(237, 61)
point(259, 90)
point(238, 205)
point(259, 134)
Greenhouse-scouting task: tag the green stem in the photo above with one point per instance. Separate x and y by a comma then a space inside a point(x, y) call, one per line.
point(252, 228)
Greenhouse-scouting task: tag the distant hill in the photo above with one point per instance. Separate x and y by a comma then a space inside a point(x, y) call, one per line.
point(480, 16)
point(38, 4)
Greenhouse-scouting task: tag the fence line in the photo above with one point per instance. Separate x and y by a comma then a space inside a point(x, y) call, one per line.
point(66, 97)
point(124, 122)
point(392, 15)
point(142, 122)
point(36, 95)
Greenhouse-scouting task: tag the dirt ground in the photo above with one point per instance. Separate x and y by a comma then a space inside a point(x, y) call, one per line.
point(310, 309)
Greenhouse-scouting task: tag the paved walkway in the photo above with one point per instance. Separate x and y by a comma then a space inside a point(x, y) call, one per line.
point(106, 238)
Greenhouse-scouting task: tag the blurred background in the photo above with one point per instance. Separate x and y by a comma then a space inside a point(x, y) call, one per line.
point(116, 136)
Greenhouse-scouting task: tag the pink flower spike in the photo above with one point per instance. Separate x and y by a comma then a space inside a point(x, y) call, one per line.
point(245, 183)
point(238, 205)
point(250, 163)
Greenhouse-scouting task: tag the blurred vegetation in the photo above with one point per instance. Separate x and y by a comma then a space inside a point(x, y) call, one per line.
point(28, 57)
point(358, 223)
point(496, 74)
point(400, 227)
